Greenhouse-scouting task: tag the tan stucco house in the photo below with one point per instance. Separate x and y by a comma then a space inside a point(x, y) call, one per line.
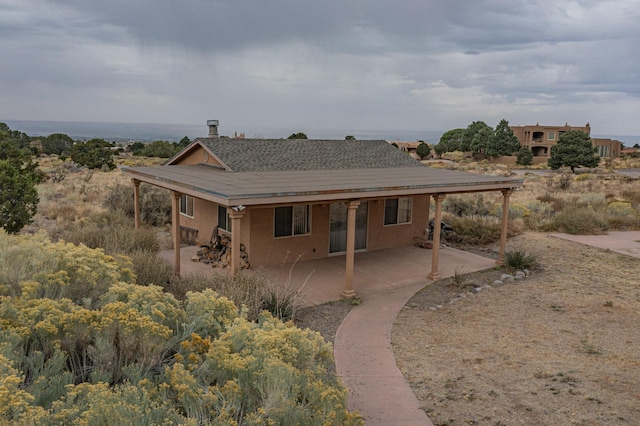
point(541, 138)
point(307, 199)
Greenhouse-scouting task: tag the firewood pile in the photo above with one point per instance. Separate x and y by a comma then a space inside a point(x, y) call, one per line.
point(218, 253)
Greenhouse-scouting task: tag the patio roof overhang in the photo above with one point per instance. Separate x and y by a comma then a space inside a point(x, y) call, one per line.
point(274, 187)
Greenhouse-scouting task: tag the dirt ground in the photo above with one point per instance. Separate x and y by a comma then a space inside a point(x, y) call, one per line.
point(561, 347)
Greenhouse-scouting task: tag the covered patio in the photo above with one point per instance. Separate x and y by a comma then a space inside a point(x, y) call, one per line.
point(319, 281)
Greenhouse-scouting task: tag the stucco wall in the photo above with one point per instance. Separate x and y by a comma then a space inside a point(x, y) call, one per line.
point(205, 217)
point(197, 155)
point(381, 236)
point(267, 250)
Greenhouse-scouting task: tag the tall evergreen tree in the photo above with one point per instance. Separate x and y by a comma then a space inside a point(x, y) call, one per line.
point(574, 149)
point(503, 141)
point(470, 133)
point(18, 177)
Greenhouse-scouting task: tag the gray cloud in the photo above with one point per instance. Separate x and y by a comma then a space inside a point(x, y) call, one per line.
point(344, 64)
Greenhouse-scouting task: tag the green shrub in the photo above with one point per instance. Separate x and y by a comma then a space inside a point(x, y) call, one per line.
point(621, 208)
point(516, 210)
point(113, 232)
point(149, 269)
point(595, 200)
point(539, 214)
point(556, 203)
point(478, 230)
point(467, 205)
point(155, 203)
point(622, 215)
point(518, 258)
point(580, 221)
point(524, 157)
point(280, 302)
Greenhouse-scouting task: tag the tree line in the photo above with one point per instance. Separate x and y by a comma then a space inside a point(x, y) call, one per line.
point(574, 148)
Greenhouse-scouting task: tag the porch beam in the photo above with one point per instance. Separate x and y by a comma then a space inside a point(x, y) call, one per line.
point(175, 230)
point(348, 291)
point(236, 215)
point(506, 193)
point(136, 202)
point(437, 224)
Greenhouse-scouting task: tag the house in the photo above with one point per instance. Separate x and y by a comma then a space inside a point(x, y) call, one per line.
point(540, 139)
point(307, 199)
point(408, 147)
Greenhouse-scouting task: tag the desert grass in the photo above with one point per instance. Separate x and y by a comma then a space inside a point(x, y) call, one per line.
point(585, 203)
point(560, 347)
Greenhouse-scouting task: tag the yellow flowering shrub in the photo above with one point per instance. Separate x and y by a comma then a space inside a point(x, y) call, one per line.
point(81, 343)
point(209, 314)
point(621, 208)
point(63, 270)
point(150, 300)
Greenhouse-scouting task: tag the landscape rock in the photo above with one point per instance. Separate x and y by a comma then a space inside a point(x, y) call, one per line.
point(506, 278)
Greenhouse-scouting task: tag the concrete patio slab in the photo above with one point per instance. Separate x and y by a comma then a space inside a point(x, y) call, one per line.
point(623, 242)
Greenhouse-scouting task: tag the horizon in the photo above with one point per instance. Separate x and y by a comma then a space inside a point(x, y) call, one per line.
point(122, 131)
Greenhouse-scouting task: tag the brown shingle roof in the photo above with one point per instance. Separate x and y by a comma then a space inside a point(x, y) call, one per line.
point(244, 155)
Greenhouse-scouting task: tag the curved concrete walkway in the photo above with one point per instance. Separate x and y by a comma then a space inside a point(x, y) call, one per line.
point(364, 356)
point(366, 364)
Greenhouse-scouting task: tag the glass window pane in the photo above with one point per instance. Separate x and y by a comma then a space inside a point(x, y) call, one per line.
point(283, 218)
point(404, 210)
point(300, 220)
point(390, 211)
point(223, 219)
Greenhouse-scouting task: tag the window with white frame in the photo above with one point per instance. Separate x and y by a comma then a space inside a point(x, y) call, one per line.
point(397, 210)
point(291, 220)
point(551, 136)
point(186, 205)
point(224, 222)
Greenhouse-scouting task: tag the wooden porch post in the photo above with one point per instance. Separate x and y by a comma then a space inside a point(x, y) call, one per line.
point(235, 214)
point(506, 193)
point(136, 202)
point(348, 292)
point(175, 229)
point(435, 252)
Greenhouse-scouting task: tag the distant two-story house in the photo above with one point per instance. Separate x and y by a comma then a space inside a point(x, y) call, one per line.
point(307, 199)
point(539, 139)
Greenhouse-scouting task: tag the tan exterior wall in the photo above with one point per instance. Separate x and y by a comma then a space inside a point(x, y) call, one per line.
point(381, 236)
point(257, 227)
point(607, 147)
point(205, 217)
point(539, 139)
point(267, 250)
point(197, 155)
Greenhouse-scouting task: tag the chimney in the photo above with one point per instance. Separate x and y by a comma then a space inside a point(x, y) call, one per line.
point(213, 128)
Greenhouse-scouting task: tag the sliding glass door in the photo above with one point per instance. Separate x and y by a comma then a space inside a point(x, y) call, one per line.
point(338, 227)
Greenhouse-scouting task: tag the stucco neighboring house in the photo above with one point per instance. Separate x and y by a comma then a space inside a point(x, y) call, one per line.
point(308, 199)
point(540, 138)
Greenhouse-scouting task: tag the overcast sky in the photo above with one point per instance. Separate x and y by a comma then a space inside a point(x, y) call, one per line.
point(329, 64)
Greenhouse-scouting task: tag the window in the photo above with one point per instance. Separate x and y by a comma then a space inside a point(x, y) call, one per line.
point(551, 136)
point(291, 220)
point(186, 205)
point(224, 222)
point(397, 210)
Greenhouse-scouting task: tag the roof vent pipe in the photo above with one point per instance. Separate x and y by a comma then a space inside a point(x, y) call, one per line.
point(213, 128)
